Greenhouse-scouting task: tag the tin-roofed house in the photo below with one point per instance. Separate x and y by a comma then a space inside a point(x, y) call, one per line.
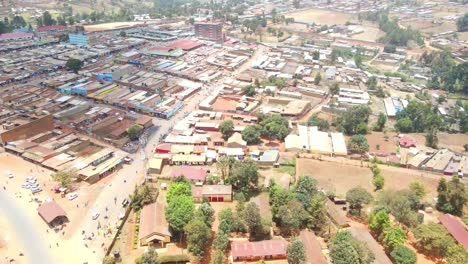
point(154, 228)
point(259, 250)
point(213, 193)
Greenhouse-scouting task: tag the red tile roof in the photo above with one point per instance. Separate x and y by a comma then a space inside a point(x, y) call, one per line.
point(153, 221)
point(258, 249)
point(51, 210)
point(190, 173)
point(186, 44)
point(52, 27)
point(312, 247)
point(455, 228)
point(407, 142)
point(16, 35)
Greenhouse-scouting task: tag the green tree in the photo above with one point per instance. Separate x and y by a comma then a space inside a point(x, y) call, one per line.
point(316, 55)
point(404, 125)
point(252, 219)
point(403, 255)
point(47, 19)
point(358, 144)
point(334, 88)
point(457, 255)
point(134, 132)
point(109, 260)
point(123, 34)
point(221, 241)
point(462, 23)
point(218, 257)
point(275, 126)
point(206, 213)
point(317, 211)
point(244, 175)
point(379, 126)
point(433, 238)
point(344, 249)
point(418, 188)
point(349, 121)
point(357, 197)
point(378, 181)
point(65, 178)
point(306, 187)
point(141, 196)
point(224, 165)
point(393, 237)
point(74, 64)
point(379, 221)
point(251, 134)
point(179, 212)
point(226, 128)
point(292, 216)
point(401, 204)
point(249, 90)
point(389, 48)
point(296, 252)
point(183, 188)
point(198, 235)
point(318, 78)
point(321, 123)
point(149, 257)
point(451, 196)
point(362, 129)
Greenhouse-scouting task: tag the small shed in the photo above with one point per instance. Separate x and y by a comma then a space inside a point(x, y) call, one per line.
point(236, 141)
point(155, 165)
point(52, 213)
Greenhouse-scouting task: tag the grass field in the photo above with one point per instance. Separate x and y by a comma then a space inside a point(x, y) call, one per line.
point(342, 175)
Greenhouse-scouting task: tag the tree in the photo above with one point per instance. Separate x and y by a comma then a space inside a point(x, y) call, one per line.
point(249, 90)
point(71, 21)
point(275, 126)
point(47, 19)
point(123, 34)
point(334, 88)
point(451, 196)
point(362, 129)
point(221, 241)
point(292, 216)
point(344, 249)
point(183, 188)
point(198, 234)
point(206, 213)
point(393, 237)
point(317, 211)
point(318, 78)
point(316, 55)
point(379, 221)
point(390, 48)
point(462, 23)
point(306, 187)
point(141, 196)
point(251, 217)
point(179, 212)
point(402, 204)
point(357, 197)
point(381, 122)
point(378, 181)
point(349, 121)
point(109, 260)
point(244, 175)
point(65, 178)
point(418, 188)
point(226, 128)
point(358, 144)
point(457, 255)
point(404, 125)
point(251, 134)
point(321, 123)
point(134, 132)
point(296, 252)
point(74, 64)
point(433, 238)
point(296, 4)
point(218, 257)
point(149, 257)
point(224, 165)
point(404, 255)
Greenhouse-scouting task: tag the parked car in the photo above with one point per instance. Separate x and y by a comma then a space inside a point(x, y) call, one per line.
point(125, 202)
point(36, 190)
point(9, 174)
point(72, 196)
point(95, 215)
point(26, 185)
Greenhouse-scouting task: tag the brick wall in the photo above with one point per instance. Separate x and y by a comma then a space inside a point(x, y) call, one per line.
point(30, 129)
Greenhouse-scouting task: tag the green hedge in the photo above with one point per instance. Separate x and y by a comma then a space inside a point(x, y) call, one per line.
point(173, 258)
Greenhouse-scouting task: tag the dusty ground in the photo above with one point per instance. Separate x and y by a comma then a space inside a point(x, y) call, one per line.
point(343, 174)
point(321, 16)
point(454, 142)
point(9, 243)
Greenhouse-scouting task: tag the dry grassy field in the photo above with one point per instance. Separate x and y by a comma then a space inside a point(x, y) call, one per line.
point(342, 175)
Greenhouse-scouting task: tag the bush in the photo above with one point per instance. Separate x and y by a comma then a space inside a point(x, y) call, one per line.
point(174, 258)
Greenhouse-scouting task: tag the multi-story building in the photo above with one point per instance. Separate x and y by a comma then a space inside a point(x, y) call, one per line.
point(78, 39)
point(210, 30)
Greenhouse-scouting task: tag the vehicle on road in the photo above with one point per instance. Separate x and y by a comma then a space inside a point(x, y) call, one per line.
point(72, 196)
point(95, 215)
point(36, 190)
point(125, 202)
point(9, 174)
point(26, 185)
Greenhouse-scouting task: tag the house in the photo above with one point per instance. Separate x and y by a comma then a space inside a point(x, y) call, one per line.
point(154, 228)
point(52, 213)
point(314, 254)
point(155, 165)
point(191, 174)
point(455, 228)
point(269, 157)
point(213, 193)
point(259, 250)
point(236, 141)
point(406, 142)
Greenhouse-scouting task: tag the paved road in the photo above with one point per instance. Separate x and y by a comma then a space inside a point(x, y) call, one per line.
point(34, 246)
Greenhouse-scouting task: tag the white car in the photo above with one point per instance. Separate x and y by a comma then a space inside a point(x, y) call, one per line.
point(95, 215)
point(9, 174)
point(72, 196)
point(26, 185)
